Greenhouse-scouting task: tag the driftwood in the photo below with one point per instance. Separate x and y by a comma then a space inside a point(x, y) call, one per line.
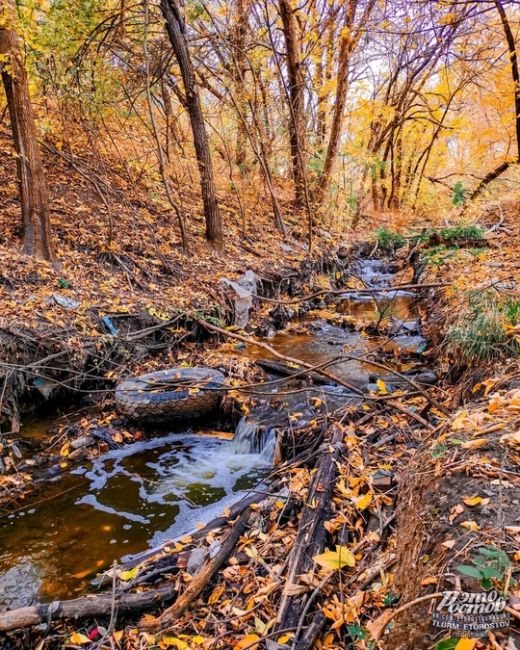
point(83, 608)
point(310, 539)
point(202, 578)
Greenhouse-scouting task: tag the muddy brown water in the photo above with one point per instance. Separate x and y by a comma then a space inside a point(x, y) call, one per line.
point(147, 492)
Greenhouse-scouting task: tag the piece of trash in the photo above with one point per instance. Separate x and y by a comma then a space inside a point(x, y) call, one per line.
point(68, 303)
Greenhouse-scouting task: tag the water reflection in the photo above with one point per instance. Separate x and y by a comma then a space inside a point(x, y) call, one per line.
point(118, 505)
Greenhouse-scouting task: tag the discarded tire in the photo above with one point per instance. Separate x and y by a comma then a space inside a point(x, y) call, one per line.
point(175, 394)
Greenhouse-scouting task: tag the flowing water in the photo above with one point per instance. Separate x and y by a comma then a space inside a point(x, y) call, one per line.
point(138, 496)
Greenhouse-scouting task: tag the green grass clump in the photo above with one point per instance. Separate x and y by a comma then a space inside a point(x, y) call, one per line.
point(389, 241)
point(437, 255)
point(462, 232)
point(481, 333)
point(511, 310)
point(453, 234)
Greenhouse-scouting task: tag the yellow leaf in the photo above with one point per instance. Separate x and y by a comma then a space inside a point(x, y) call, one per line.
point(129, 575)
point(336, 559)
point(173, 642)
point(363, 501)
point(382, 387)
point(466, 644)
point(475, 501)
point(284, 638)
point(470, 525)
point(215, 595)
point(64, 451)
point(78, 639)
point(475, 444)
point(246, 641)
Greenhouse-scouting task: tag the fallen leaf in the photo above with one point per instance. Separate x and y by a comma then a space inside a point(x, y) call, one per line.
point(337, 559)
point(377, 627)
point(246, 641)
point(79, 639)
point(466, 644)
point(129, 575)
point(475, 501)
point(364, 501)
point(173, 642)
point(475, 444)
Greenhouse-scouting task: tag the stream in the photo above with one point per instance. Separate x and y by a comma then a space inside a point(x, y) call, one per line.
point(145, 493)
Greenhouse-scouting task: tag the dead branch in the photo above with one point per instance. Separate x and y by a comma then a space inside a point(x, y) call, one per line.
point(202, 578)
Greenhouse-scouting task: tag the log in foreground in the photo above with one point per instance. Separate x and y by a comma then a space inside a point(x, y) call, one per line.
point(310, 539)
point(83, 608)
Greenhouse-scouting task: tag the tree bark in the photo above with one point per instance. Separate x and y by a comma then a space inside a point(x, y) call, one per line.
point(295, 92)
point(511, 46)
point(238, 40)
point(31, 176)
point(176, 29)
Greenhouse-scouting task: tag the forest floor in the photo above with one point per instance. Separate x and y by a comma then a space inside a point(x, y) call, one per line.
point(406, 505)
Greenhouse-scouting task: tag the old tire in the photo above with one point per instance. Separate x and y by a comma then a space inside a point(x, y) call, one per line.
point(149, 398)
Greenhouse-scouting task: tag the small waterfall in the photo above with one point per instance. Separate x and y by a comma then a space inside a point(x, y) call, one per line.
point(254, 437)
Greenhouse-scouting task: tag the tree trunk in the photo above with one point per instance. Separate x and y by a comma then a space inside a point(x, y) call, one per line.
point(511, 46)
point(31, 176)
point(238, 40)
point(295, 96)
point(348, 44)
point(175, 26)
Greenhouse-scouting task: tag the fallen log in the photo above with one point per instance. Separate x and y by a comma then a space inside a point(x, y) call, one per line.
point(310, 539)
point(285, 370)
point(306, 640)
point(83, 608)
